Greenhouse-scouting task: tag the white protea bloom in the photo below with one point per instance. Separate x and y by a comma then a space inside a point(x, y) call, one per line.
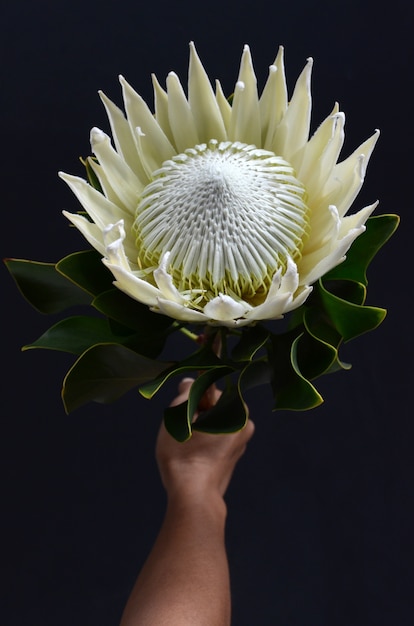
point(221, 213)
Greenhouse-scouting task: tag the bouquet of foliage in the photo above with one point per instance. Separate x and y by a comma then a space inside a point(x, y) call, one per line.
point(212, 217)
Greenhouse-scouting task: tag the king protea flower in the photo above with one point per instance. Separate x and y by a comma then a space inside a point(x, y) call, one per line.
point(217, 212)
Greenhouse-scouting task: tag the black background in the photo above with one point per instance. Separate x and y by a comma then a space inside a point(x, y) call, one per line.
point(320, 508)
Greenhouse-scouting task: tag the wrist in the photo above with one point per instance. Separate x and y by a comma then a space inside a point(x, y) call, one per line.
point(197, 500)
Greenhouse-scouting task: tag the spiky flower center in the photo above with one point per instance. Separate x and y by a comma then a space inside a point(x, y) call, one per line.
point(230, 215)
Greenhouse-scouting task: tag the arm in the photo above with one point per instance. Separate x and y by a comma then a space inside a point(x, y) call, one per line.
point(185, 580)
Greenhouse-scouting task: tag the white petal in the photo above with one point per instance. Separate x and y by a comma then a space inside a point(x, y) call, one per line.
point(106, 186)
point(133, 286)
point(324, 229)
point(290, 279)
point(161, 108)
point(319, 156)
point(91, 232)
point(100, 209)
point(280, 298)
point(273, 101)
point(245, 116)
point(123, 138)
point(302, 294)
point(165, 282)
point(293, 131)
point(224, 308)
point(179, 312)
point(121, 178)
point(180, 115)
point(349, 222)
point(332, 259)
point(155, 143)
point(117, 262)
point(224, 105)
point(348, 176)
point(271, 309)
point(203, 103)
point(114, 235)
point(331, 250)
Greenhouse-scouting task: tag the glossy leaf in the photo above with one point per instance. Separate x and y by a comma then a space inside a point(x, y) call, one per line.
point(44, 287)
point(178, 419)
point(104, 373)
point(250, 342)
point(292, 391)
point(86, 270)
point(76, 334)
point(132, 314)
point(379, 229)
point(349, 319)
point(318, 347)
point(231, 411)
point(202, 359)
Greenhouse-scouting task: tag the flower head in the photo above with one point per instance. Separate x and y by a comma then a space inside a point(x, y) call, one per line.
point(221, 213)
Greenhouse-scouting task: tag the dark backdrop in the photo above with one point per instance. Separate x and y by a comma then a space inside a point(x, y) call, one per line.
point(320, 508)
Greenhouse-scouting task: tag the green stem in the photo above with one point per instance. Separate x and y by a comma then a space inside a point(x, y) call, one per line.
point(189, 334)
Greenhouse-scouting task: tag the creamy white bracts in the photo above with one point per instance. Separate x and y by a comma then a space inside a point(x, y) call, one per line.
point(220, 213)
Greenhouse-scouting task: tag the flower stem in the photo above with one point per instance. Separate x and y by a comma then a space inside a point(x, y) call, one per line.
point(189, 334)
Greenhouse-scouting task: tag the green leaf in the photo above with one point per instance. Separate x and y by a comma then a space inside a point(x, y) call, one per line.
point(379, 229)
point(150, 329)
point(132, 314)
point(86, 270)
point(202, 359)
point(76, 334)
point(228, 415)
point(251, 341)
point(178, 419)
point(44, 287)
point(317, 349)
point(349, 319)
point(104, 373)
point(231, 411)
point(292, 391)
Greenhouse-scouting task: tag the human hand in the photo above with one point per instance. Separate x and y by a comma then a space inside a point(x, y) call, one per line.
point(204, 464)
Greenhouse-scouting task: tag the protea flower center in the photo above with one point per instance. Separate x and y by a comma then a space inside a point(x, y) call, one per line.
point(228, 214)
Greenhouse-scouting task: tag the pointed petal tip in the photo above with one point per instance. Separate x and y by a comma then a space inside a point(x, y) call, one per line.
point(70, 179)
point(97, 135)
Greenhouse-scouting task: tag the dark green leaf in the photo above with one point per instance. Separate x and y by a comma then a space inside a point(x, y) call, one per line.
point(250, 342)
point(76, 334)
point(348, 290)
point(315, 355)
point(227, 416)
point(292, 391)
point(231, 411)
point(379, 229)
point(104, 373)
point(349, 319)
point(44, 287)
point(202, 359)
point(317, 348)
point(132, 314)
point(178, 419)
point(86, 270)
point(151, 329)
